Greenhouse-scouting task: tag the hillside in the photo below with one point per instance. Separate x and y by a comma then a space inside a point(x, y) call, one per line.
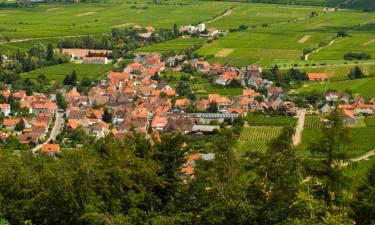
point(296, 2)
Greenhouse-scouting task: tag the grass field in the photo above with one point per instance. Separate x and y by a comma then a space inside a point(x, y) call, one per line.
point(361, 140)
point(370, 121)
point(256, 138)
point(173, 45)
point(50, 20)
point(363, 87)
point(58, 72)
point(358, 172)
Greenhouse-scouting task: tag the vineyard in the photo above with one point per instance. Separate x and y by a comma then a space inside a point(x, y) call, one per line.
point(256, 138)
point(313, 122)
point(340, 72)
point(262, 120)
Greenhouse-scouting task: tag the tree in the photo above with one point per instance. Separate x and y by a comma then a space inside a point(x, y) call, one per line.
point(20, 126)
point(50, 53)
point(356, 73)
point(183, 88)
point(213, 108)
point(107, 117)
point(331, 149)
point(60, 101)
point(363, 208)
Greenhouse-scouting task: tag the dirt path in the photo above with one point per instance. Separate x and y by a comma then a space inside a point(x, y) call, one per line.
point(359, 158)
point(317, 50)
point(301, 113)
point(227, 13)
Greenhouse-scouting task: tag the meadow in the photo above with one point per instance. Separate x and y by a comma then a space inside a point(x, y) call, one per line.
point(363, 87)
point(360, 140)
point(58, 72)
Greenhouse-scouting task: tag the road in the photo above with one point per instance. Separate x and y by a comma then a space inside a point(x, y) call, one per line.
point(362, 157)
point(59, 120)
point(301, 113)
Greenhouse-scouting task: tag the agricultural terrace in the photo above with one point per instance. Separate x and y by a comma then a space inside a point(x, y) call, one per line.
point(58, 72)
point(361, 140)
point(262, 45)
point(176, 45)
point(256, 138)
point(51, 20)
point(363, 87)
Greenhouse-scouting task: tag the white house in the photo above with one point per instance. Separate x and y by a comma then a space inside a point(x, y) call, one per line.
point(5, 109)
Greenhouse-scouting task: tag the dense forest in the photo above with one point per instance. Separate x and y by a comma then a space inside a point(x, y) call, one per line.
point(138, 181)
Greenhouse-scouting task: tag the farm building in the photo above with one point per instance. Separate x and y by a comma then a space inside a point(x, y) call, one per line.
point(95, 60)
point(317, 76)
point(81, 53)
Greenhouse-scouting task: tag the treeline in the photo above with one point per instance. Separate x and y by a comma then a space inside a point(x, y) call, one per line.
point(136, 181)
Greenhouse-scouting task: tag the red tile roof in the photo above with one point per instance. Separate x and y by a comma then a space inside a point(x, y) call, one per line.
point(317, 76)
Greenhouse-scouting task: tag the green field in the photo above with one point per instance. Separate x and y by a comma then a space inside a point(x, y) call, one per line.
point(261, 120)
point(176, 45)
point(50, 20)
point(312, 121)
point(58, 72)
point(262, 45)
point(256, 138)
point(358, 172)
point(370, 121)
point(361, 140)
point(363, 87)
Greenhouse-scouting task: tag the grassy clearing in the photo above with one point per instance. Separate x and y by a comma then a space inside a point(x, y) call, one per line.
point(58, 72)
point(363, 87)
point(261, 120)
point(361, 140)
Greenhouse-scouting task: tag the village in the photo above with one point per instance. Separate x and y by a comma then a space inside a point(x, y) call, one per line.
point(137, 100)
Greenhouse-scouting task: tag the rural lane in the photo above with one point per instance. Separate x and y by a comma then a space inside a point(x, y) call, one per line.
point(59, 120)
point(301, 113)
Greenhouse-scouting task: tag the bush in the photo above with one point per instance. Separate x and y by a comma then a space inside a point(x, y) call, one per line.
point(357, 56)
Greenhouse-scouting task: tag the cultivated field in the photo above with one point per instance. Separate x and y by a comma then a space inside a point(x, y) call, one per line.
point(256, 138)
point(261, 120)
point(50, 20)
point(364, 87)
point(172, 45)
point(264, 44)
point(59, 72)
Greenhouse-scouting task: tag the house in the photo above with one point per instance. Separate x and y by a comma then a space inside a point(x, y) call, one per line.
point(5, 109)
point(81, 53)
point(44, 108)
point(183, 125)
point(29, 138)
point(337, 96)
point(190, 29)
point(202, 105)
point(317, 76)
point(159, 123)
point(182, 103)
point(50, 149)
point(364, 109)
point(10, 123)
point(95, 60)
point(149, 29)
point(205, 128)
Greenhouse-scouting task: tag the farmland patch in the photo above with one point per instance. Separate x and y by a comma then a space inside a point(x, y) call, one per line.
point(304, 39)
point(369, 42)
point(224, 52)
point(124, 25)
point(86, 14)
